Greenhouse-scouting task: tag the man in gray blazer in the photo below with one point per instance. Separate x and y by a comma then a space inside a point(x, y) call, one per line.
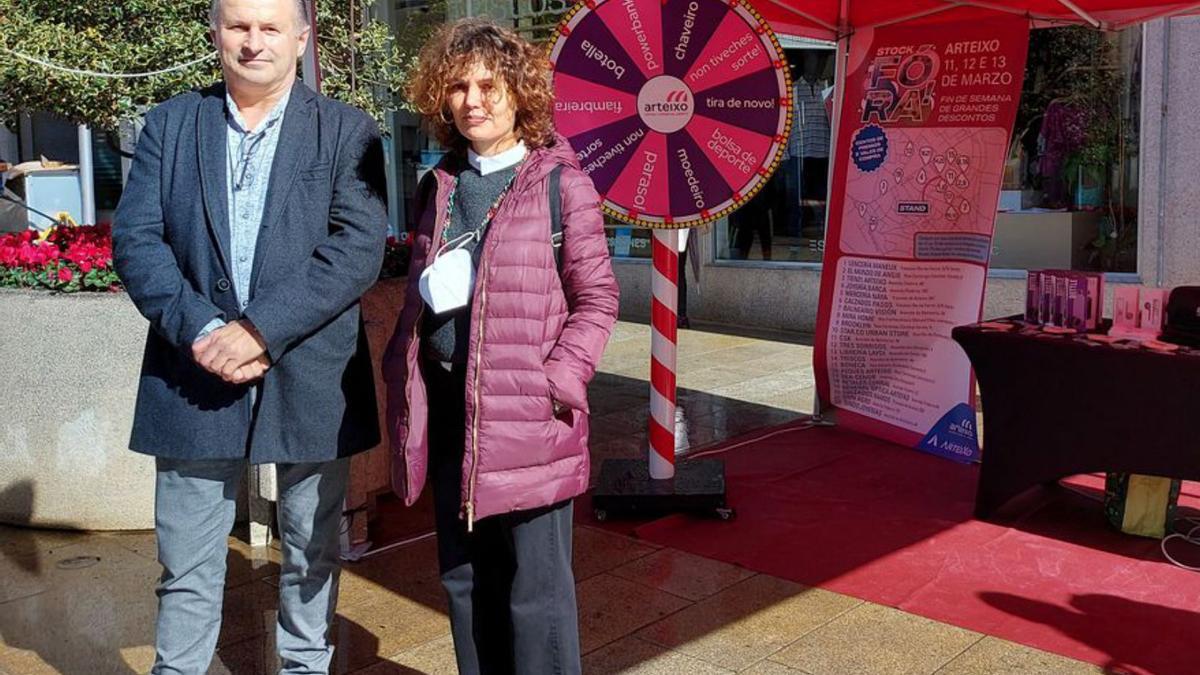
point(252, 222)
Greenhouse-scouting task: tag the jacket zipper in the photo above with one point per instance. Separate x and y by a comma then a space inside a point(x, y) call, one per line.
point(470, 505)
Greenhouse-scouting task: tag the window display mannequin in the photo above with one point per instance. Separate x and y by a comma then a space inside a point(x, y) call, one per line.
point(806, 167)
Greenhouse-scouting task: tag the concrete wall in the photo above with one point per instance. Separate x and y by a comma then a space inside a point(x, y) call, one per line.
point(781, 296)
point(1169, 245)
point(71, 371)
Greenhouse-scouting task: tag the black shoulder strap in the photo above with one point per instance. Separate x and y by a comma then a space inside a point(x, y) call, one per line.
point(556, 226)
point(425, 189)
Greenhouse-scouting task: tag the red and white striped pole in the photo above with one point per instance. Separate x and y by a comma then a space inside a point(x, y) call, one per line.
point(663, 341)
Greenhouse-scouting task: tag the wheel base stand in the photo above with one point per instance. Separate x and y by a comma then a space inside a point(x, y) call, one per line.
point(626, 490)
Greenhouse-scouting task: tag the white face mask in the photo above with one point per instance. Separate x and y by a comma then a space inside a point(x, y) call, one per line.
point(448, 283)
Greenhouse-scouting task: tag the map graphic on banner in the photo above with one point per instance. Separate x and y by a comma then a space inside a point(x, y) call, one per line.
point(934, 183)
point(678, 110)
point(924, 130)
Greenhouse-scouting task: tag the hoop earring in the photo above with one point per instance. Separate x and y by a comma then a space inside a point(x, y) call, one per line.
point(446, 118)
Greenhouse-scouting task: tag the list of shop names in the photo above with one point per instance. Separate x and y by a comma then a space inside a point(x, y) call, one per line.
point(886, 317)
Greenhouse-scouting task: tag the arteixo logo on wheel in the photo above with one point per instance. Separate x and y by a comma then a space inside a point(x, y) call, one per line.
point(666, 104)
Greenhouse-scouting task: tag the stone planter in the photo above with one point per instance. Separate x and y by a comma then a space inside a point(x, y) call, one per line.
point(70, 366)
point(370, 472)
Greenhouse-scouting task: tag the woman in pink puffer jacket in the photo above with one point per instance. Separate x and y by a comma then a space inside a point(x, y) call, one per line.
point(491, 396)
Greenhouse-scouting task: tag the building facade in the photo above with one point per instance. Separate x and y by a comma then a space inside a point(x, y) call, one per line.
point(1134, 217)
point(1152, 182)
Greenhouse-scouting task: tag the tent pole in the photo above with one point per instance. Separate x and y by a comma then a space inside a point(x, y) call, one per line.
point(840, 73)
point(1080, 13)
point(806, 16)
point(914, 16)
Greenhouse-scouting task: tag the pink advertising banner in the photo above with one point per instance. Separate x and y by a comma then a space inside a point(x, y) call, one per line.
point(677, 109)
point(925, 121)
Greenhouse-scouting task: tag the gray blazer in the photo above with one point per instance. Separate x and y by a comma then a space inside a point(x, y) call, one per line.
point(319, 249)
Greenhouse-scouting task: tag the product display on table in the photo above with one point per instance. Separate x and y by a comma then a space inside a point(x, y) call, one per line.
point(1065, 299)
point(1138, 313)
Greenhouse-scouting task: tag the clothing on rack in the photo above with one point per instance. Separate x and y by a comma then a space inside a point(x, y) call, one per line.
point(810, 125)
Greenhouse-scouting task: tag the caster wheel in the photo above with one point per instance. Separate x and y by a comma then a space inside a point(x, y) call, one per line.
point(601, 515)
point(726, 514)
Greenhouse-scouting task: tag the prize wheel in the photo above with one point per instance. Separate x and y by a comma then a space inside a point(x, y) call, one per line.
point(679, 110)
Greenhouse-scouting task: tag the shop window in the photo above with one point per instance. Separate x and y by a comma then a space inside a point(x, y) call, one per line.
point(1070, 195)
point(785, 221)
point(626, 241)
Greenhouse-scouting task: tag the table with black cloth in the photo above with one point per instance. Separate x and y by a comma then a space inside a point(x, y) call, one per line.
point(1059, 405)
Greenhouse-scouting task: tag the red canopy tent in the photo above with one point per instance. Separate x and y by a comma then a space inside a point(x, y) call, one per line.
point(833, 19)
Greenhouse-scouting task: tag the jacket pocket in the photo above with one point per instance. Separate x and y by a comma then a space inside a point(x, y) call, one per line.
point(317, 172)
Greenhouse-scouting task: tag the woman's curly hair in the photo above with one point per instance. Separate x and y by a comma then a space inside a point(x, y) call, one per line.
point(519, 67)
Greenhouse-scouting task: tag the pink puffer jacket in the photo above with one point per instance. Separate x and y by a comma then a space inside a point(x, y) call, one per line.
point(535, 338)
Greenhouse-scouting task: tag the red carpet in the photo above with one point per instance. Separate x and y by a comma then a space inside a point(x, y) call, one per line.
point(848, 513)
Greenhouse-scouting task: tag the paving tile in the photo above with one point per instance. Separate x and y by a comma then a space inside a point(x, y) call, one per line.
point(611, 608)
point(763, 387)
point(126, 660)
point(747, 621)
point(389, 623)
point(253, 656)
point(615, 403)
point(249, 610)
point(83, 608)
point(683, 574)
point(597, 551)
point(993, 656)
point(768, 667)
point(749, 417)
point(383, 667)
point(24, 662)
point(706, 379)
point(616, 448)
point(697, 404)
point(387, 668)
point(631, 656)
point(140, 658)
point(141, 542)
point(697, 436)
point(638, 369)
point(796, 400)
point(246, 563)
point(622, 422)
point(757, 349)
point(17, 541)
point(625, 330)
point(435, 657)
point(877, 639)
point(392, 571)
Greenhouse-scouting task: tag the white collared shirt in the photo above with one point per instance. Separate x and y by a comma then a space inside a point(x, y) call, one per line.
point(498, 162)
point(250, 158)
